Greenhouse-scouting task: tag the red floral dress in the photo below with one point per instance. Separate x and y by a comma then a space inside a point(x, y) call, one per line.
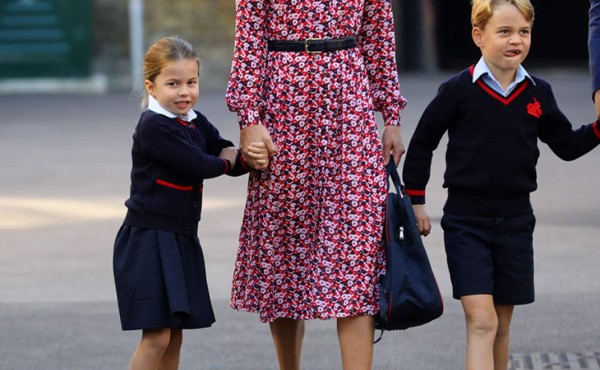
point(310, 244)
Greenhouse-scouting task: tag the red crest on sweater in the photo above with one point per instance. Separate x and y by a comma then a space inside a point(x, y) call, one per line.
point(535, 109)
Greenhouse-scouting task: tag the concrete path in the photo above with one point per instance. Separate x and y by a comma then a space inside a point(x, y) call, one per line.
point(65, 166)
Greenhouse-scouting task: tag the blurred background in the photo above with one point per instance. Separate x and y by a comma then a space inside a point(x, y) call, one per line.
point(68, 70)
point(97, 45)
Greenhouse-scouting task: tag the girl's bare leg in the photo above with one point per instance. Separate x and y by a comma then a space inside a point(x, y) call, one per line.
point(149, 352)
point(170, 359)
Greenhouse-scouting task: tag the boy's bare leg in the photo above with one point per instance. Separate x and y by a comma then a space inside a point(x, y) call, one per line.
point(502, 342)
point(482, 326)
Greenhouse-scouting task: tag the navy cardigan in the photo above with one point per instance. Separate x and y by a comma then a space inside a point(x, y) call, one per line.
point(492, 144)
point(171, 158)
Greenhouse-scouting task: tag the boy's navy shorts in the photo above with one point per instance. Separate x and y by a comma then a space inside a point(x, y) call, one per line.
point(488, 255)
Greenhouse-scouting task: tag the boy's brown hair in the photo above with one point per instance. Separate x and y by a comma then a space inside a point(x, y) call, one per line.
point(482, 10)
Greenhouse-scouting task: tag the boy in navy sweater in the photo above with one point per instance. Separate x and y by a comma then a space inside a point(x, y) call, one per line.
point(494, 113)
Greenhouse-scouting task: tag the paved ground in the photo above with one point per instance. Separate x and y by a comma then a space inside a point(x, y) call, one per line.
point(65, 163)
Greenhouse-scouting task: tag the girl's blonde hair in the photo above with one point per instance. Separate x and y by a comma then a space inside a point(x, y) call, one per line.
point(163, 52)
point(482, 10)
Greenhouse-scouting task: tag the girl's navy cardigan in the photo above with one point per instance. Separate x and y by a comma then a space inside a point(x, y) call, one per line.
point(492, 144)
point(171, 158)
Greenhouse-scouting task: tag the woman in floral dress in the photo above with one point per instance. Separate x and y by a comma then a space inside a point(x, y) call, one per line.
point(310, 243)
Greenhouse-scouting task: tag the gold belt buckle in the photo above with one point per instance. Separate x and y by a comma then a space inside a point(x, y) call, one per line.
point(306, 44)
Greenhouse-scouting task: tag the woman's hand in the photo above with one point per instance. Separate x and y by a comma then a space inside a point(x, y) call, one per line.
point(392, 144)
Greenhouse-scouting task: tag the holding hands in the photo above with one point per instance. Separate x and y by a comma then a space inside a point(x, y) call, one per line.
point(256, 152)
point(255, 140)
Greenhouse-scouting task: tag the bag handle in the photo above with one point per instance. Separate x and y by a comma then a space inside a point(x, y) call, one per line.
point(392, 172)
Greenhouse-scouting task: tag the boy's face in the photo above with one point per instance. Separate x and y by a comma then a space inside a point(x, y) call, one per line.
point(504, 41)
point(176, 86)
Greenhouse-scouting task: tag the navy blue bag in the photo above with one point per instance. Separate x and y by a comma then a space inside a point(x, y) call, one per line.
point(409, 295)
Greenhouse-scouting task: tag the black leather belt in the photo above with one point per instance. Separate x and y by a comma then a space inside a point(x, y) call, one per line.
point(312, 46)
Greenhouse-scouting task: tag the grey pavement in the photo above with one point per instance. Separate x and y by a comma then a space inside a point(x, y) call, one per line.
point(64, 163)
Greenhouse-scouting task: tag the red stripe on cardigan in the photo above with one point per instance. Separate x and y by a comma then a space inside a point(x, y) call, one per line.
point(175, 186)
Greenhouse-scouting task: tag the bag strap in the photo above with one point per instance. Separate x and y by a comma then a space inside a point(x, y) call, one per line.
point(392, 172)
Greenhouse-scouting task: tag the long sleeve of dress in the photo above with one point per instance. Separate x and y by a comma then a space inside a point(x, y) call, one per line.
point(594, 44)
point(245, 88)
point(376, 40)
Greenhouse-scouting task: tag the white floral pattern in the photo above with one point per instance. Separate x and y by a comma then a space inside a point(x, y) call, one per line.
point(310, 243)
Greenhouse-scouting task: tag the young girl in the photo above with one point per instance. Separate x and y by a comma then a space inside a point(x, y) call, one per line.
point(158, 264)
point(494, 113)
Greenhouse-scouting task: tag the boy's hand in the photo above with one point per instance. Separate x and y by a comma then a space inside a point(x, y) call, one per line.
point(423, 222)
point(230, 154)
point(258, 154)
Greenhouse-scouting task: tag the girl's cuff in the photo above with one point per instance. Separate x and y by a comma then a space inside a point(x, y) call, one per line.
point(227, 165)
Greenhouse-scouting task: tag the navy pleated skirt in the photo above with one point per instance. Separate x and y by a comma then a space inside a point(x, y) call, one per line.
point(160, 280)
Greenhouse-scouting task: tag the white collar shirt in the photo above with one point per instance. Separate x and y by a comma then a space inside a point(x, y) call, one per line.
point(483, 71)
point(155, 106)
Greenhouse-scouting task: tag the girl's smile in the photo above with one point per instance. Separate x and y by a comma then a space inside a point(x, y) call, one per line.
point(176, 86)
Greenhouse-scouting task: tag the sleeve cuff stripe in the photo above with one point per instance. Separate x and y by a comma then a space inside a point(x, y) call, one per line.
point(420, 193)
point(596, 129)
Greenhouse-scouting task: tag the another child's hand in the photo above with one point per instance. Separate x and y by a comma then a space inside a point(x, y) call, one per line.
point(230, 154)
point(259, 155)
point(423, 222)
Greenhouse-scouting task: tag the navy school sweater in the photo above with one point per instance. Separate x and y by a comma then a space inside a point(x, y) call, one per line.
point(492, 147)
point(171, 158)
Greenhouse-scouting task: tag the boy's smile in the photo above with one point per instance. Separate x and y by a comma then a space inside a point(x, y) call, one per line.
point(504, 42)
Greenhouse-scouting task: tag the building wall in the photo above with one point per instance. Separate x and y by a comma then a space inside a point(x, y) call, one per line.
point(207, 24)
point(110, 42)
point(442, 39)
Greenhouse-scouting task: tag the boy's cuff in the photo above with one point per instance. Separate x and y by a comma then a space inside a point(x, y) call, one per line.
point(596, 128)
point(416, 196)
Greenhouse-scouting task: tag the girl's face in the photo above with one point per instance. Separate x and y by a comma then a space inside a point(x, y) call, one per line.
point(504, 41)
point(176, 86)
